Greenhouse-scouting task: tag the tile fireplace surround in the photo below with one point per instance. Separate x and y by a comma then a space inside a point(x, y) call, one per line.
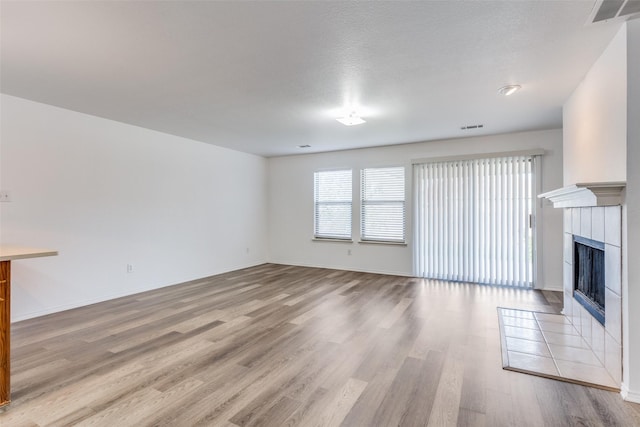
point(602, 224)
point(594, 211)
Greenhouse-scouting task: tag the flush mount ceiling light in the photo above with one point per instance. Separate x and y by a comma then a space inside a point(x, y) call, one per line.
point(509, 90)
point(351, 120)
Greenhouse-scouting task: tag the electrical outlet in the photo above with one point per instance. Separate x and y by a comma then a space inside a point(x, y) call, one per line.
point(348, 251)
point(5, 196)
point(129, 268)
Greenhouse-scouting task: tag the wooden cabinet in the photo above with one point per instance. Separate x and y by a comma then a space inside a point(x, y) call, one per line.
point(5, 331)
point(7, 254)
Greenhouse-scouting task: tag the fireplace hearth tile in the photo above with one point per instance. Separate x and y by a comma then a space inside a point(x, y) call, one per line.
point(518, 313)
point(524, 333)
point(587, 374)
point(572, 359)
point(554, 318)
point(532, 363)
point(574, 354)
point(526, 346)
point(521, 323)
point(564, 328)
point(566, 340)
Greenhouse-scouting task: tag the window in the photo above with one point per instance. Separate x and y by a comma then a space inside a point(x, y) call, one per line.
point(332, 199)
point(473, 220)
point(383, 206)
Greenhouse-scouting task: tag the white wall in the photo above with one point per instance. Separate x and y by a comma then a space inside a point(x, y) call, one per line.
point(631, 246)
point(105, 194)
point(594, 120)
point(291, 203)
point(601, 117)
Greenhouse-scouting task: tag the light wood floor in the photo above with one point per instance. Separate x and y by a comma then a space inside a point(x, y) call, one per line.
point(290, 346)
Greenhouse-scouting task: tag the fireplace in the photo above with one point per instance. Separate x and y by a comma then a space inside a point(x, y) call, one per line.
point(593, 217)
point(589, 277)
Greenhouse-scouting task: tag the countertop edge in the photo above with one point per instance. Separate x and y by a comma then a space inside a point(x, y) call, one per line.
point(28, 253)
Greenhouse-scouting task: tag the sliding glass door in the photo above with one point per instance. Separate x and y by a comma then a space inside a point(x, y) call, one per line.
point(474, 220)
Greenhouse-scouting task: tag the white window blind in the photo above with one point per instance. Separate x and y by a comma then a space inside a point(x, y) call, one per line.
point(332, 199)
point(383, 204)
point(473, 220)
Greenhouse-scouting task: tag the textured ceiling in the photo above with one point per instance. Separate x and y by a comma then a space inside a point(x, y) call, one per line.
point(265, 77)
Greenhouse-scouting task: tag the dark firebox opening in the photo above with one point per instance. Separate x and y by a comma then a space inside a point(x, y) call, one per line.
point(588, 281)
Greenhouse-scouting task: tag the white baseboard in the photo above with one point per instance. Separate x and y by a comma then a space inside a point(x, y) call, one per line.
point(555, 288)
point(108, 297)
point(629, 395)
point(333, 267)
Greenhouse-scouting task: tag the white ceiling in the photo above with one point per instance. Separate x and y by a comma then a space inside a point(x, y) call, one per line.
point(265, 77)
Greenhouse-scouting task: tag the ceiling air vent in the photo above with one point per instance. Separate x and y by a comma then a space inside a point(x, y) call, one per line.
point(606, 10)
point(469, 127)
point(631, 7)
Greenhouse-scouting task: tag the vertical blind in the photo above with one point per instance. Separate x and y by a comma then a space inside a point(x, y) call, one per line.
point(332, 204)
point(473, 220)
point(383, 204)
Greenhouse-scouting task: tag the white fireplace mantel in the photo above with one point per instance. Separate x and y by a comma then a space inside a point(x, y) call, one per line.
point(586, 195)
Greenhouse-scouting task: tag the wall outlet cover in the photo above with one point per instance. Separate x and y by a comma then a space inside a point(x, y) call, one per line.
point(5, 196)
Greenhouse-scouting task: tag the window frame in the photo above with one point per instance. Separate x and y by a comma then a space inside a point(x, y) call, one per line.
point(317, 203)
point(364, 202)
